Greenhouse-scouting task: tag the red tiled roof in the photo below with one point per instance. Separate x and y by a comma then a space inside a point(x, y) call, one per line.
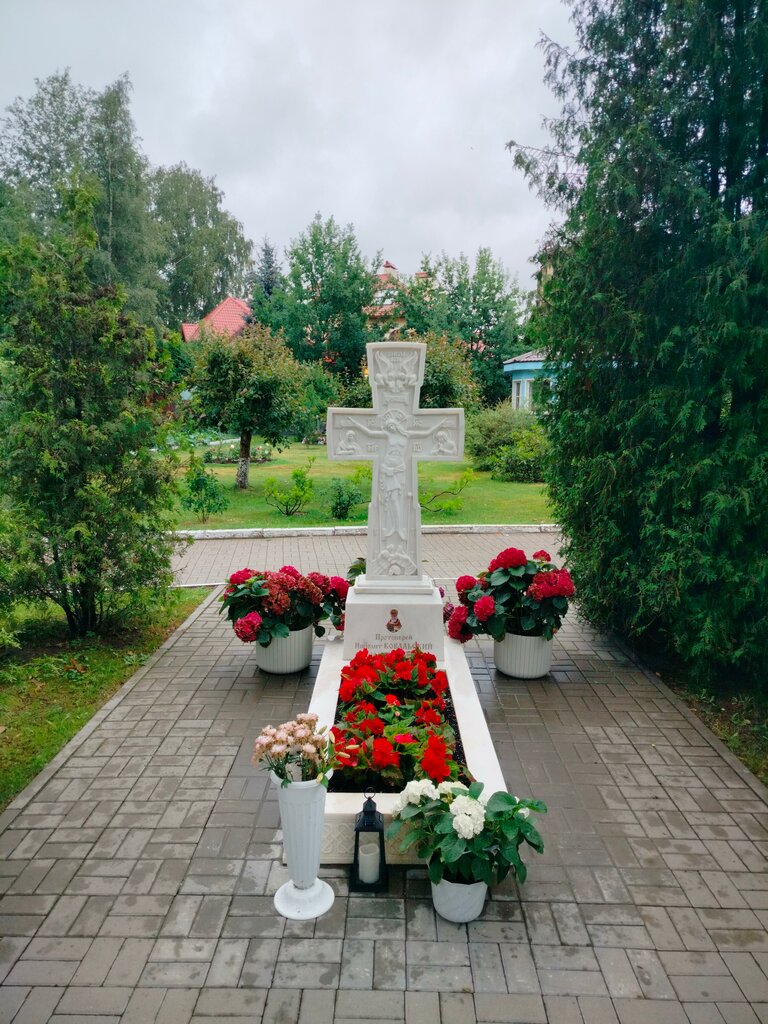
point(228, 318)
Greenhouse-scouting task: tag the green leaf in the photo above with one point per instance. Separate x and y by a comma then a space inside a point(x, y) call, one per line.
point(501, 801)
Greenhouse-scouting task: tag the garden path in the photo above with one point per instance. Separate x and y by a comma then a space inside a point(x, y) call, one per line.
point(137, 869)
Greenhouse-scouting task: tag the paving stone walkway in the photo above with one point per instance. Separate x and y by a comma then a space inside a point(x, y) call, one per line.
point(137, 871)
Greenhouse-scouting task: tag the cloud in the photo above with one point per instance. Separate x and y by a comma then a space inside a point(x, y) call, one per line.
point(392, 116)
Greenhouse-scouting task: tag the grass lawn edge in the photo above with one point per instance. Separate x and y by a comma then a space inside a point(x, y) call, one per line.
point(20, 801)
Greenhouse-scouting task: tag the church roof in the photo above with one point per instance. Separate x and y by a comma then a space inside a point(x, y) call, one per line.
point(228, 318)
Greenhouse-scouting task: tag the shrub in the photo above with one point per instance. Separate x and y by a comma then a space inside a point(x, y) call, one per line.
point(524, 461)
point(344, 495)
point(204, 495)
point(291, 500)
point(490, 429)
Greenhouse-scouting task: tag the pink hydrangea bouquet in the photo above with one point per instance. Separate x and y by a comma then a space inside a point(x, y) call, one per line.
point(515, 594)
point(262, 605)
point(296, 751)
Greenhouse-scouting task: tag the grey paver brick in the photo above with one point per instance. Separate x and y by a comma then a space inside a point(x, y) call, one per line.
point(520, 1009)
point(487, 967)
point(310, 950)
point(422, 1007)
point(174, 975)
point(227, 962)
point(38, 1006)
point(11, 999)
point(177, 1007)
point(389, 964)
point(308, 975)
point(520, 970)
point(228, 1002)
point(282, 1007)
point(378, 1005)
point(93, 1000)
point(619, 976)
point(457, 1008)
point(98, 960)
point(357, 964)
point(317, 1007)
point(640, 1011)
point(30, 972)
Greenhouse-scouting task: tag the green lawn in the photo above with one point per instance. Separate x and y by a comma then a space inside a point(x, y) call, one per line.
point(483, 501)
point(51, 686)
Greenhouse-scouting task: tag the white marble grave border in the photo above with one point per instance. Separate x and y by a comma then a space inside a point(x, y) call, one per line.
point(341, 808)
point(361, 531)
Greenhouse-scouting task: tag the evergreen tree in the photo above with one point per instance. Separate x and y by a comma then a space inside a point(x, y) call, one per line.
point(92, 502)
point(266, 280)
point(656, 320)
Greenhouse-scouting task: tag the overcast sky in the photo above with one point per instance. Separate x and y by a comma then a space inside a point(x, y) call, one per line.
point(390, 115)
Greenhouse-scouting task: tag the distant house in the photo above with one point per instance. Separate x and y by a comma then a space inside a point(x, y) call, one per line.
point(227, 319)
point(523, 370)
point(384, 311)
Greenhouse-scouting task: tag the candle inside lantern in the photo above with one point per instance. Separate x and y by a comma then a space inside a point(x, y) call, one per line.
point(369, 862)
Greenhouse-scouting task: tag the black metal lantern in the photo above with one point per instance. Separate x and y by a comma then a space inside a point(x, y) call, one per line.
point(369, 866)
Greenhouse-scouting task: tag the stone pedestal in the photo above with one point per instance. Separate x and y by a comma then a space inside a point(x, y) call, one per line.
point(382, 614)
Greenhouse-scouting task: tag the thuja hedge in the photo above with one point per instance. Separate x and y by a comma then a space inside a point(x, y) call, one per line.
point(656, 321)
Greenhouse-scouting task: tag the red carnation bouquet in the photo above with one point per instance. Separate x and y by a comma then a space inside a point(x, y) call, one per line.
point(262, 605)
point(390, 721)
point(515, 594)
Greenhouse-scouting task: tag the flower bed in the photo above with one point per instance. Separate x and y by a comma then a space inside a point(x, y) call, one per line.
point(479, 754)
point(391, 722)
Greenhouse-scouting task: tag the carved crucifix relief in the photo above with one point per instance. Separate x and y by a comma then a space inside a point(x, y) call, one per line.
point(395, 434)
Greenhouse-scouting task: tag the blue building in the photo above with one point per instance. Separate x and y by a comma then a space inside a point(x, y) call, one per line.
point(523, 370)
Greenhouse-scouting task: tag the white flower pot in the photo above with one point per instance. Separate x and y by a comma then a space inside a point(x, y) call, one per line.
point(524, 657)
point(286, 654)
point(302, 816)
point(459, 901)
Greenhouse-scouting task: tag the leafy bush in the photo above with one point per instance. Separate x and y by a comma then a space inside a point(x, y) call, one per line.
point(524, 461)
point(291, 500)
point(204, 495)
point(344, 495)
point(491, 429)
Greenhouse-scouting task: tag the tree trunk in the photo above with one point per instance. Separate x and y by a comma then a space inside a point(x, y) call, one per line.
point(244, 463)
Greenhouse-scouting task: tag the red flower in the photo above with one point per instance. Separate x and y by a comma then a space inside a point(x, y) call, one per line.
point(509, 558)
point(384, 754)
point(427, 714)
point(485, 607)
point(555, 583)
point(242, 576)
point(348, 689)
point(341, 588)
point(542, 556)
point(322, 582)
point(457, 625)
point(392, 700)
point(347, 748)
point(440, 682)
point(248, 627)
point(394, 656)
point(291, 570)
point(404, 737)
point(404, 671)
point(435, 759)
point(371, 726)
point(464, 584)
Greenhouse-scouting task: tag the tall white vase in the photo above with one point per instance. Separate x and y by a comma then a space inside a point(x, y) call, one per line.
point(302, 816)
point(286, 654)
point(523, 657)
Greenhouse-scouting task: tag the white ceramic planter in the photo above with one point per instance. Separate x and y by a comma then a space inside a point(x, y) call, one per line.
point(524, 657)
point(302, 816)
point(286, 654)
point(459, 901)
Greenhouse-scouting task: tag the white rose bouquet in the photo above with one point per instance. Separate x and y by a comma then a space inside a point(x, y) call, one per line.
point(296, 751)
point(463, 834)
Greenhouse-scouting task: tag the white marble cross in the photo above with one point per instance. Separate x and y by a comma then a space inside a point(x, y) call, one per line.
point(395, 434)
